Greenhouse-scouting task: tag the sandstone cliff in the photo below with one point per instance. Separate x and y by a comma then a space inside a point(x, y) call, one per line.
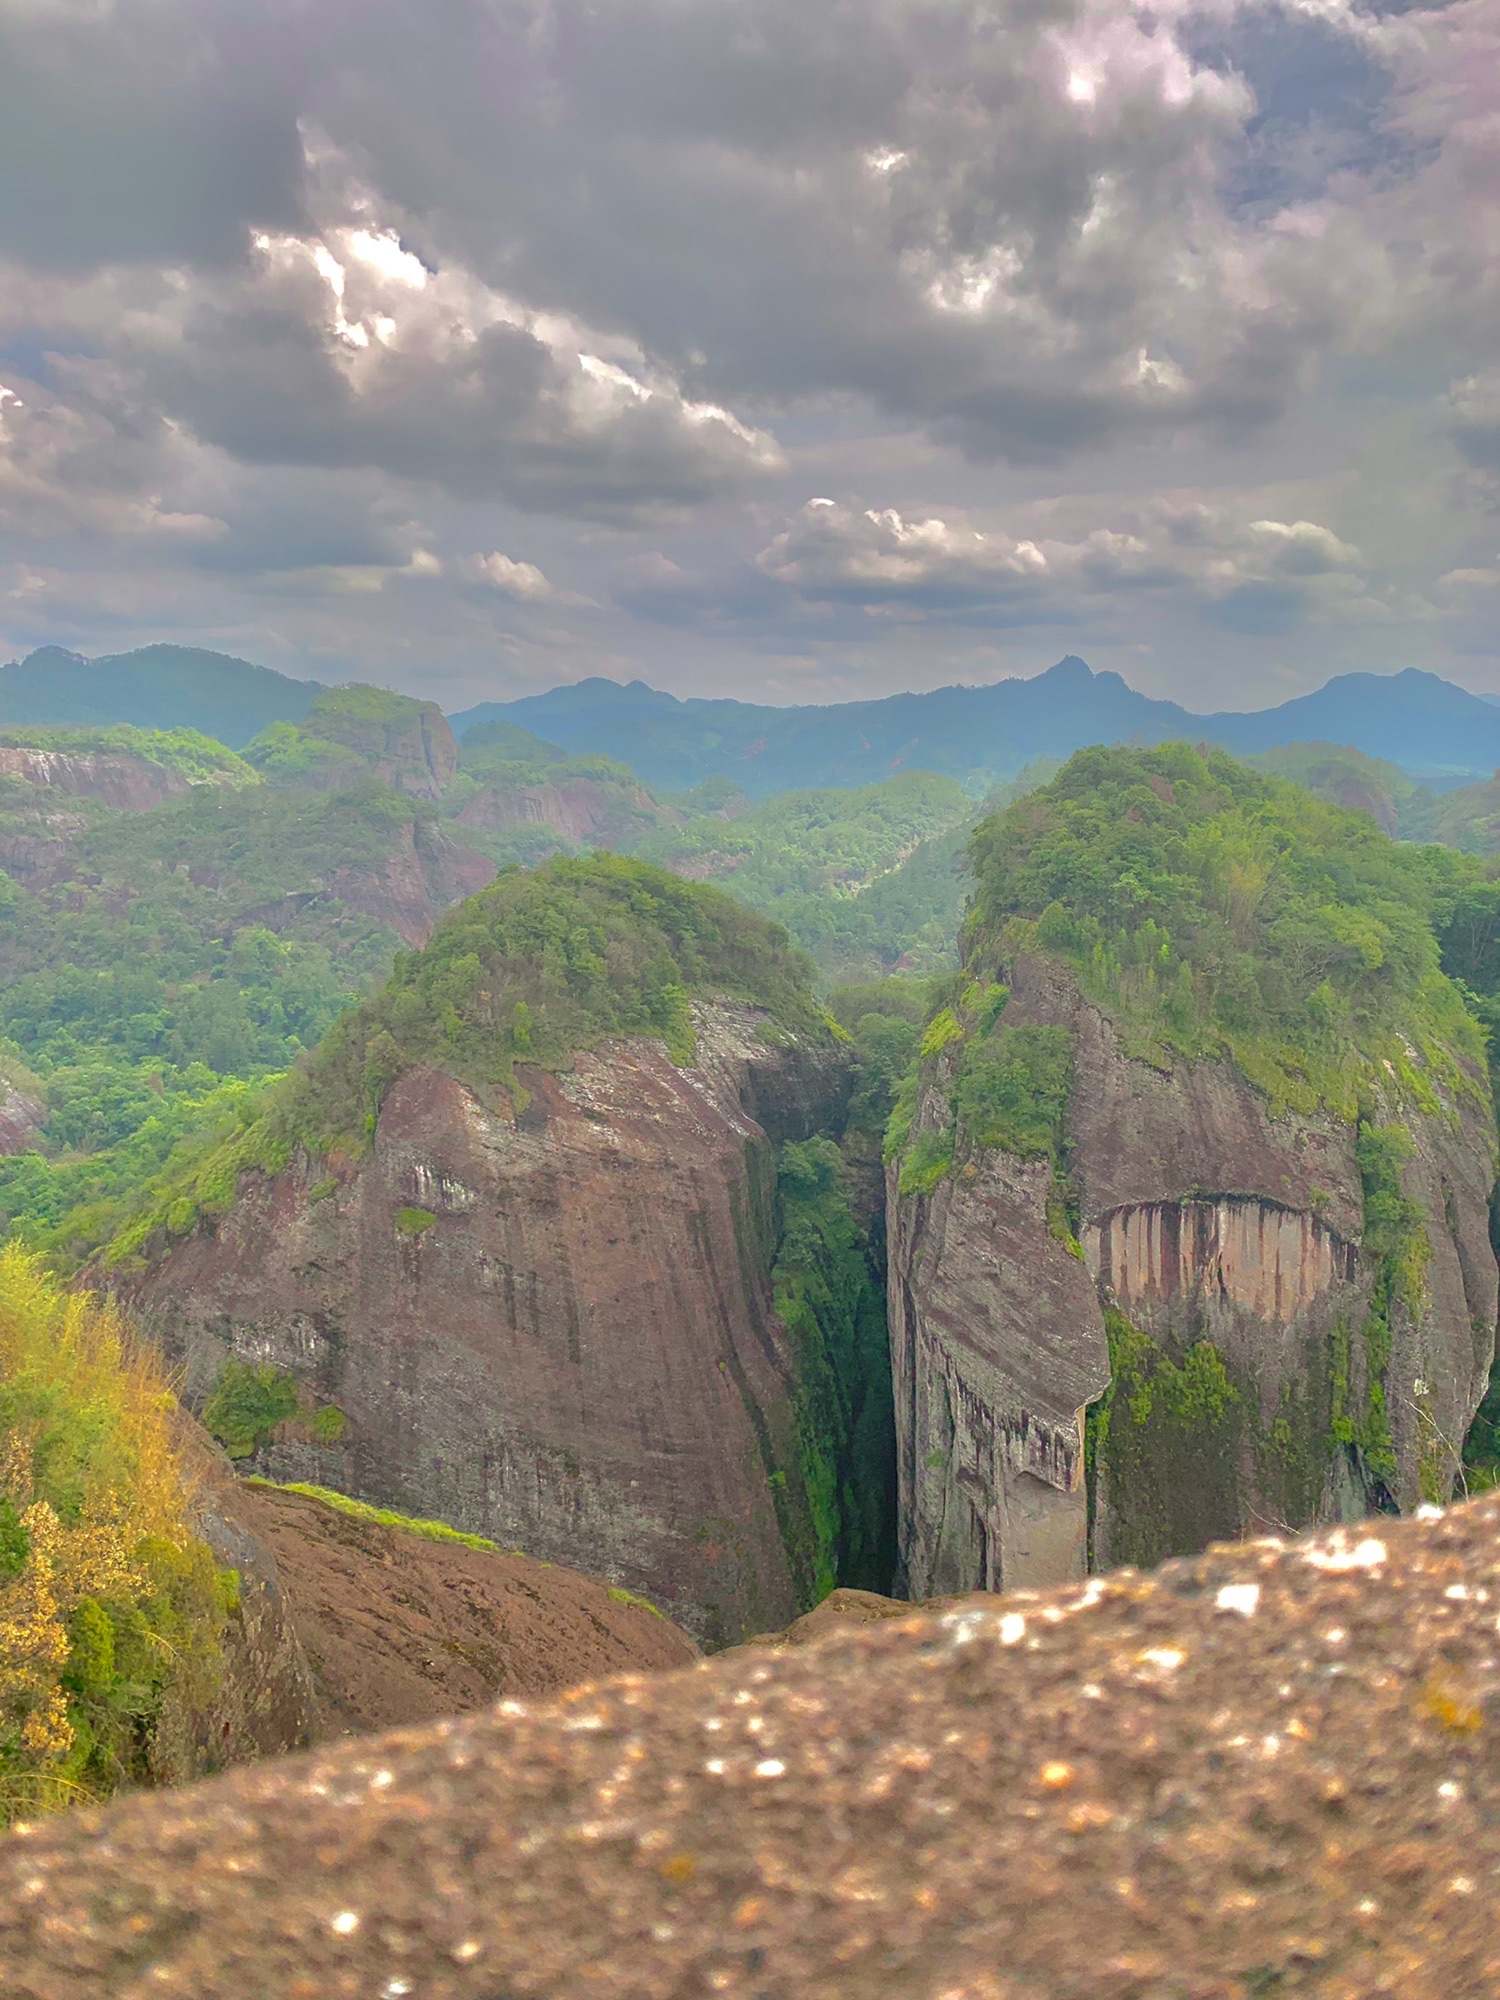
point(124, 782)
point(424, 873)
point(582, 811)
point(551, 1326)
point(23, 1110)
point(1266, 1771)
point(356, 732)
point(545, 1316)
point(515, 1224)
point(1167, 1307)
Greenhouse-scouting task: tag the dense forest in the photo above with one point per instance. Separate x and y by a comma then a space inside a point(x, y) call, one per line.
point(212, 959)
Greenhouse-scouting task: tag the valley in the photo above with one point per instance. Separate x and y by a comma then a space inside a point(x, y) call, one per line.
point(922, 1186)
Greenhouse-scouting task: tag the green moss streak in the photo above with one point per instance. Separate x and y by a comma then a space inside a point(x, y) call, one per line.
point(1162, 1446)
point(827, 1298)
point(380, 1517)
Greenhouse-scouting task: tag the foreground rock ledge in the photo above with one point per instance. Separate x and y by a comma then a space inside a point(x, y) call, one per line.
point(1270, 1770)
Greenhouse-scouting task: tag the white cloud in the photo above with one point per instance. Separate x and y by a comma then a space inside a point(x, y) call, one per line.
point(954, 566)
point(521, 580)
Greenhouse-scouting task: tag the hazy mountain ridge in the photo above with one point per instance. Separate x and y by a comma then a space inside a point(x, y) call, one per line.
point(155, 687)
point(1428, 726)
point(1434, 730)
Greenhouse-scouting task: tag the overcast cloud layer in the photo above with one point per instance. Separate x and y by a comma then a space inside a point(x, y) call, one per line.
point(796, 351)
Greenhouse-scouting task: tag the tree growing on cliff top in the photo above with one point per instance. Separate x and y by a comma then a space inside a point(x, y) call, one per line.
point(1209, 908)
point(536, 967)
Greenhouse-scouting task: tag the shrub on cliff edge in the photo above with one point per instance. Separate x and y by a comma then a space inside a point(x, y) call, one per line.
point(107, 1598)
point(1209, 909)
point(540, 965)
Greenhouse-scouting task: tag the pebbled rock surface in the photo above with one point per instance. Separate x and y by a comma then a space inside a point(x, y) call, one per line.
point(1201, 1216)
point(1268, 1770)
point(549, 1325)
point(398, 1628)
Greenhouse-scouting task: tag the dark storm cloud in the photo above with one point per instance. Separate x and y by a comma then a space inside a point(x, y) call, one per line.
point(134, 131)
point(360, 292)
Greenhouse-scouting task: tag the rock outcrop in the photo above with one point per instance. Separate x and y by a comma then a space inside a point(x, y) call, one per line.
point(401, 1628)
point(424, 873)
point(23, 1112)
point(581, 811)
point(1208, 1228)
point(355, 731)
point(1265, 1771)
point(117, 780)
point(545, 1315)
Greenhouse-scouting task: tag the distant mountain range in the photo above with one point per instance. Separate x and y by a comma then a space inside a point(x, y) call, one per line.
point(1439, 734)
point(157, 687)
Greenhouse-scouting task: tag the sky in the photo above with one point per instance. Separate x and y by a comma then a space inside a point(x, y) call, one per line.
point(797, 350)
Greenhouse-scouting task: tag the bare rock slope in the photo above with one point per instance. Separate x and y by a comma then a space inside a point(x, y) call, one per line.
point(401, 1628)
point(1266, 1770)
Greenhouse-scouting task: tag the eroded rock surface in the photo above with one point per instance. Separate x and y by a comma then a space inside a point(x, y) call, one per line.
point(113, 778)
point(1268, 1770)
point(425, 873)
point(23, 1112)
point(549, 1323)
point(1201, 1218)
point(398, 1628)
point(581, 811)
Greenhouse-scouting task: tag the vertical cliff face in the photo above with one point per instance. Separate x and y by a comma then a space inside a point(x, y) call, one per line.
point(1190, 1192)
point(544, 1314)
point(1227, 1343)
point(997, 1346)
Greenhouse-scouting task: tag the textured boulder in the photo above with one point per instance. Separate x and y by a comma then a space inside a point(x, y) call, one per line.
point(1200, 1218)
point(399, 1627)
point(1268, 1770)
point(545, 1317)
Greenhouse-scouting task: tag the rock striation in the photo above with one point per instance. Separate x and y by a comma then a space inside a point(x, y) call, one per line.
point(115, 779)
point(1266, 1770)
point(545, 1313)
point(1205, 1225)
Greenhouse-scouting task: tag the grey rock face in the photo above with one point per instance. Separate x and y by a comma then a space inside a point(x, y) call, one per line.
point(1201, 1219)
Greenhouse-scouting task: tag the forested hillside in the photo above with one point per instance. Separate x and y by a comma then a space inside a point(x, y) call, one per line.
point(181, 923)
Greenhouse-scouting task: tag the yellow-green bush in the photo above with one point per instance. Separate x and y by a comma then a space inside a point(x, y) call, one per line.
point(108, 1601)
